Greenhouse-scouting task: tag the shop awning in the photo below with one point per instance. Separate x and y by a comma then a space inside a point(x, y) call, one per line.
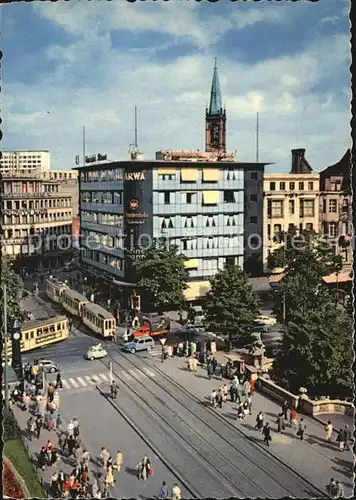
point(189, 174)
point(191, 264)
point(166, 171)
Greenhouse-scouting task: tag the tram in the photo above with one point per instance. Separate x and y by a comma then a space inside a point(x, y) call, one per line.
point(73, 302)
point(39, 333)
point(55, 289)
point(98, 319)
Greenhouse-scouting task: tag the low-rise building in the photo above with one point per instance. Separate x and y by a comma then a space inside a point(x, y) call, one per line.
point(336, 207)
point(291, 200)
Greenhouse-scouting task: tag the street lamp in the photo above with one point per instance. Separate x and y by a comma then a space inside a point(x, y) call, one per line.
point(162, 341)
point(6, 361)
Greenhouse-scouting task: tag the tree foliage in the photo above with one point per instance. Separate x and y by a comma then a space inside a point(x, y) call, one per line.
point(317, 353)
point(163, 277)
point(230, 307)
point(14, 288)
point(304, 249)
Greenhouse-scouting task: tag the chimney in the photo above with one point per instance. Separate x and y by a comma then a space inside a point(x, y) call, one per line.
point(297, 158)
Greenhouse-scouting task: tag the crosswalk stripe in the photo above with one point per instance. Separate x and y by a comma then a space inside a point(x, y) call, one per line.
point(148, 371)
point(125, 375)
point(84, 384)
point(104, 376)
point(96, 379)
point(89, 380)
point(66, 384)
point(73, 382)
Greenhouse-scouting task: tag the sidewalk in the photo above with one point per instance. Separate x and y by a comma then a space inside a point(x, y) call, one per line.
point(313, 458)
point(34, 445)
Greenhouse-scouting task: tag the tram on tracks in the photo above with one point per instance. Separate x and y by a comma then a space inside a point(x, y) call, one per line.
point(55, 289)
point(98, 319)
point(39, 333)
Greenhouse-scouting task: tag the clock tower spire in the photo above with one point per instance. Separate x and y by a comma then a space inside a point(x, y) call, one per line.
point(215, 118)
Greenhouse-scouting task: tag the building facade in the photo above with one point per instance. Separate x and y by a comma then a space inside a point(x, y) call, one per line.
point(125, 206)
point(33, 160)
point(68, 181)
point(336, 207)
point(291, 200)
point(36, 220)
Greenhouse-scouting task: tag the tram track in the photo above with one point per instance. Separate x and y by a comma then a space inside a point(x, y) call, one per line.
point(214, 441)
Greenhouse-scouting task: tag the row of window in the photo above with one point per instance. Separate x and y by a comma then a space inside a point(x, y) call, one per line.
point(103, 258)
point(37, 219)
point(104, 239)
point(208, 242)
point(275, 208)
point(309, 186)
point(29, 187)
point(102, 218)
point(192, 221)
point(205, 175)
point(37, 204)
point(114, 174)
point(194, 197)
point(24, 233)
point(333, 206)
point(112, 197)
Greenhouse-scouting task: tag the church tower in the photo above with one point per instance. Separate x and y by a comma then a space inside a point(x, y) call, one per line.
point(215, 118)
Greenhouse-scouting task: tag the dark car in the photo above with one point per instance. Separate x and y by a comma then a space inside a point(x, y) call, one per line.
point(258, 329)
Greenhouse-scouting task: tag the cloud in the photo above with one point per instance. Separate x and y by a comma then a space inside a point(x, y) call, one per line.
point(97, 83)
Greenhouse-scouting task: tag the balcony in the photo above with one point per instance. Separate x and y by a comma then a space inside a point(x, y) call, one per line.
point(36, 194)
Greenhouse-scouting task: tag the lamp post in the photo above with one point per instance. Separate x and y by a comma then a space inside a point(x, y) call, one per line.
point(16, 349)
point(162, 341)
point(284, 309)
point(6, 373)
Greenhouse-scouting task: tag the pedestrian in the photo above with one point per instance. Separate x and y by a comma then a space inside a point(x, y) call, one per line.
point(62, 441)
point(213, 398)
point(220, 397)
point(231, 391)
point(293, 422)
point(164, 491)
point(214, 364)
point(53, 487)
point(42, 458)
point(240, 413)
point(209, 369)
point(31, 427)
point(102, 484)
point(341, 439)
point(328, 431)
point(70, 428)
point(259, 421)
point(86, 458)
point(147, 467)
point(59, 422)
point(71, 445)
point(267, 434)
point(236, 389)
point(95, 489)
point(176, 492)
point(331, 488)
point(249, 404)
point(252, 385)
point(113, 389)
point(76, 427)
point(39, 424)
point(104, 456)
point(347, 437)
point(54, 457)
point(285, 407)
point(280, 422)
point(119, 460)
point(301, 429)
point(225, 391)
point(61, 481)
point(339, 490)
point(59, 384)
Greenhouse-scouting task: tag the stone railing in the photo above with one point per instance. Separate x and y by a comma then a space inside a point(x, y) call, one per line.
point(305, 405)
point(273, 390)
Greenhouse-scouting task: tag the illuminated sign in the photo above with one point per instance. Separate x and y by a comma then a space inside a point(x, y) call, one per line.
point(134, 176)
point(136, 218)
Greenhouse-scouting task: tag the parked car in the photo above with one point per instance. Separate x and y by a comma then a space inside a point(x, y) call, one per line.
point(258, 328)
point(189, 328)
point(145, 343)
point(48, 365)
point(266, 320)
point(96, 352)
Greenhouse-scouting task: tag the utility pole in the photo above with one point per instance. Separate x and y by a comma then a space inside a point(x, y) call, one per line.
point(284, 309)
point(6, 373)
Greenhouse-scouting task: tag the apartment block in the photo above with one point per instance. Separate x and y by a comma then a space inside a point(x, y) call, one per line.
point(32, 160)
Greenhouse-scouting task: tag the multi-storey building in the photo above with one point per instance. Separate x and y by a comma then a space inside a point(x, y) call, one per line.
point(68, 180)
point(36, 220)
point(336, 207)
point(194, 200)
point(33, 160)
point(290, 201)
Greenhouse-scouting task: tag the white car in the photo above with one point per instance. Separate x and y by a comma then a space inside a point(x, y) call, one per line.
point(96, 352)
point(266, 320)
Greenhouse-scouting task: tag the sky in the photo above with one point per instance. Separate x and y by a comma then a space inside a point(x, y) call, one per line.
point(72, 64)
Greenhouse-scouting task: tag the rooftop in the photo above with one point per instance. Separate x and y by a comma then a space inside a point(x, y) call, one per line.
point(30, 325)
point(96, 309)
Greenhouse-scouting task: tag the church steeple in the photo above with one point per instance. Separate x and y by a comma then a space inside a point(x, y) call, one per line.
point(215, 117)
point(215, 93)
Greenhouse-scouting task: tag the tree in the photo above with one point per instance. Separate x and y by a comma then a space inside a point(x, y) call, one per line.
point(230, 306)
point(317, 353)
point(163, 277)
point(304, 248)
point(14, 289)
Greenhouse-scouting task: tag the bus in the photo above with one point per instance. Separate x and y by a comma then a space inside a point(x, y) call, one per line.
point(155, 327)
point(98, 319)
point(73, 302)
point(41, 332)
point(55, 289)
